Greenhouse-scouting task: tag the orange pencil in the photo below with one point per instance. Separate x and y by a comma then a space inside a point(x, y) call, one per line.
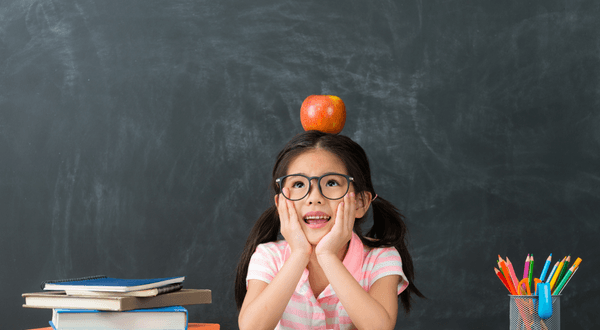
point(501, 277)
point(505, 271)
point(577, 262)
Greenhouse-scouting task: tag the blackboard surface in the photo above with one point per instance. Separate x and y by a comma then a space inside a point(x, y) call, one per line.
point(137, 139)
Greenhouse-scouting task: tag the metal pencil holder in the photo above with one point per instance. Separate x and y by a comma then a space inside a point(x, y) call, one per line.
point(524, 314)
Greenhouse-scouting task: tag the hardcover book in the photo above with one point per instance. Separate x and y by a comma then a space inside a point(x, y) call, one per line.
point(116, 303)
point(166, 318)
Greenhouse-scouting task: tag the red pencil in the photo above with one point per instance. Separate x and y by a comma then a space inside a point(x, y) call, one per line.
point(499, 274)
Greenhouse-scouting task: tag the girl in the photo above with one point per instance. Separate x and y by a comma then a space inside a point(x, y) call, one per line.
point(326, 274)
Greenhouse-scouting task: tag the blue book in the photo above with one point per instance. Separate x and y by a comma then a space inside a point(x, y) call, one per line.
point(110, 284)
point(165, 318)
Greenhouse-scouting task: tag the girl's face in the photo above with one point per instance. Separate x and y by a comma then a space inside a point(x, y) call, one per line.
point(315, 212)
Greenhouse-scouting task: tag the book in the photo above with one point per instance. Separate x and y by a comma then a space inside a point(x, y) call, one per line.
point(110, 284)
point(50, 300)
point(139, 293)
point(165, 318)
point(191, 326)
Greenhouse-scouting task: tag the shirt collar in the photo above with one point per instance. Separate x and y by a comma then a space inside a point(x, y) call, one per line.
point(354, 257)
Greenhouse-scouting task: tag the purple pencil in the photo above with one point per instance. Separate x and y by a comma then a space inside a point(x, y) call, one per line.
point(526, 268)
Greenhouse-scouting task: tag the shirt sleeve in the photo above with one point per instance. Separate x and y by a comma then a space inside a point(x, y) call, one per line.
point(388, 262)
point(263, 264)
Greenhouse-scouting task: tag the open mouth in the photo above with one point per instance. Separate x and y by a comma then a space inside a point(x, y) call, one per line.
point(316, 219)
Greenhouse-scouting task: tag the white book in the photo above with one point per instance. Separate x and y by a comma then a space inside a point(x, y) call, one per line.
point(166, 318)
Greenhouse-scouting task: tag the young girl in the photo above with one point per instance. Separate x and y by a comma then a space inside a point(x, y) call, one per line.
point(326, 274)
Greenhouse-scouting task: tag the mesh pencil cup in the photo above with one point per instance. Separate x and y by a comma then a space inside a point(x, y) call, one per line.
point(524, 314)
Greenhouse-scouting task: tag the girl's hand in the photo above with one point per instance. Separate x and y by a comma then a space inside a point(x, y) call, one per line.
point(341, 232)
point(290, 227)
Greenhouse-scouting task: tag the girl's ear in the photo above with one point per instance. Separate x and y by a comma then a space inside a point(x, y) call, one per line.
point(363, 202)
point(276, 200)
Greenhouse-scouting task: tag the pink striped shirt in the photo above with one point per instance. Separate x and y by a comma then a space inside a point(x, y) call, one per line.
point(304, 311)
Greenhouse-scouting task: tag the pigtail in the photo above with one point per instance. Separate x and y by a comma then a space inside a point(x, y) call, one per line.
point(265, 230)
point(389, 230)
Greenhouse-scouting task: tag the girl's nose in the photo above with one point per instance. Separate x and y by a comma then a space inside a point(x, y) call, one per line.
point(314, 194)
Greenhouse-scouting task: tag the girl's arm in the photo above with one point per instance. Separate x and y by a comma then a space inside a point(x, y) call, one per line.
point(264, 303)
point(376, 309)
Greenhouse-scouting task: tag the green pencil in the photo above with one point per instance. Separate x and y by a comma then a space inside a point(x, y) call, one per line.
point(564, 270)
point(531, 273)
point(564, 280)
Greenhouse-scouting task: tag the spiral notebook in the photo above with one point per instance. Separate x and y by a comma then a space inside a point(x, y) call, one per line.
point(109, 284)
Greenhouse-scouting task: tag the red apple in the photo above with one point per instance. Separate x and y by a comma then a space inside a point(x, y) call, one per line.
point(325, 113)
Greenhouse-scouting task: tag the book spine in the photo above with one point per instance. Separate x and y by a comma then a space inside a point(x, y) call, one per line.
point(169, 288)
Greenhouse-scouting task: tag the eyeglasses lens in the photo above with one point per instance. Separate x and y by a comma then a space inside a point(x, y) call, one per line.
point(333, 186)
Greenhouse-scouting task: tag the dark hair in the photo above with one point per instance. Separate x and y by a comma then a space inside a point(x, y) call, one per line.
point(388, 225)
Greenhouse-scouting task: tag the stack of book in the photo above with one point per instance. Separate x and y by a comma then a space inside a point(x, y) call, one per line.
point(101, 302)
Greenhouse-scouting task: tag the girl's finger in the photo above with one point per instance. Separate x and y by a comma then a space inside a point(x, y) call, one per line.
point(351, 211)
point(292, 216)
point(340, 217)
point(282, 209)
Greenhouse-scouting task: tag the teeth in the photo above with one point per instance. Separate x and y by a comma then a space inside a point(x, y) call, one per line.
point(316, 217)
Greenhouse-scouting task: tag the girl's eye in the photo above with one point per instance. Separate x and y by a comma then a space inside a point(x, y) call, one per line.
point(298, 185)
point(332, 183)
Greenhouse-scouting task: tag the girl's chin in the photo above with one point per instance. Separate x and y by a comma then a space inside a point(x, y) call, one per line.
point(314, 236)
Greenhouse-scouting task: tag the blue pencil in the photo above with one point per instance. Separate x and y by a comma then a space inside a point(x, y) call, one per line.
point(552, 272)
point(546, 266)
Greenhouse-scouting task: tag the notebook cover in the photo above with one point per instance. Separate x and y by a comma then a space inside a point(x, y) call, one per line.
point(112, 284)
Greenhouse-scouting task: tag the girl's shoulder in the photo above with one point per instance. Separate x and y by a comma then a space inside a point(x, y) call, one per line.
point(277, 248)
point(381, 253)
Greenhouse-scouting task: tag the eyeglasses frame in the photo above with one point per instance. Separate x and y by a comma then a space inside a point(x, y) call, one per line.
point(310, 178)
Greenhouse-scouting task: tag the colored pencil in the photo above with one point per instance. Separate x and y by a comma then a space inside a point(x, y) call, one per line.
point(506, 273)
point(553, 282)
point(552, 272)
point(531, 272)
point(569, 279)
point(576, 267)
point(564, 280)
point(546, 266)
point(511, 269)
point(526, 267)
point(564, 270)
point(501, 277)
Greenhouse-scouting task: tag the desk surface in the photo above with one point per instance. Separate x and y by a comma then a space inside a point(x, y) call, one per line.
point(191, 326)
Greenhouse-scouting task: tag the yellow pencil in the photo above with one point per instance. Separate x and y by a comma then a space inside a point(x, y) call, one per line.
point(553, 282)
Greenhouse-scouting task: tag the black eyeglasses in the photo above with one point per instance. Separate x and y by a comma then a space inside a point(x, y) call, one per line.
point(331, 185)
